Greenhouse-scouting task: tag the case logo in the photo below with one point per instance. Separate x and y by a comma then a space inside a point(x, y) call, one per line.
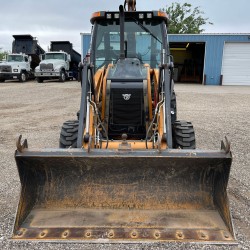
point(126, 97)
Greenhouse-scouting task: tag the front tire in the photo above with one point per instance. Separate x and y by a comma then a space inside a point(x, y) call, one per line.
point(2, 80)
point(183, 135)
point(68, 135)
point(23, 77)
point(39, 80)
point(62, 77)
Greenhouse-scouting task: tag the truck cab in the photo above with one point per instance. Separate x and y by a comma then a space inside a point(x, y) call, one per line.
point(54, 65)
point(16, 66)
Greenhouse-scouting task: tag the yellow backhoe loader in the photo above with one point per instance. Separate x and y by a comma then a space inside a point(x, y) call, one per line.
point(127, 170)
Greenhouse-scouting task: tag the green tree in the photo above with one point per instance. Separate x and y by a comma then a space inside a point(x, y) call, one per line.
point(2, 54)
point(184, 19)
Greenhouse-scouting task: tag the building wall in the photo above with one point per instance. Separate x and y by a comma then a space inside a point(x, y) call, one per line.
point(85, 43)
point(213, 51)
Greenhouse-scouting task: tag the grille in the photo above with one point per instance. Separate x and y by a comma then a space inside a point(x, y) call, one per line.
point(5, 68)
point(126, 107)
point(48, 66)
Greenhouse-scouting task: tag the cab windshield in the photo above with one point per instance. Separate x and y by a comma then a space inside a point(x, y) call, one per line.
point(59, 56)
point(15, 58)
point(142, 40)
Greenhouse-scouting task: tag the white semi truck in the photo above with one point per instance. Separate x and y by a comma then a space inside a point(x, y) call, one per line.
point(54, 65)
point(20, 64)
point(16, 66)
point(61, 63)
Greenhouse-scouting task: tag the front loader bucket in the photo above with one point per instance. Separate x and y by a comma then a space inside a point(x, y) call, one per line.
point(116, 196)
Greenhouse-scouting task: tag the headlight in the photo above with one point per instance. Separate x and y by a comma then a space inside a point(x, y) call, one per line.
point(15, 70)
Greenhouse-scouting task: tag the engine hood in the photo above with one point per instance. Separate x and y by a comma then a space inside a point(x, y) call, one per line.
point(57, 64)
point(13, 64)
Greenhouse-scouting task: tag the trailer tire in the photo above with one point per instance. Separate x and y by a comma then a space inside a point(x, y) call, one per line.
point(183, 135)
point(62, 77)
point(23, 77)
point(39, 80)
point(69, 134)
point(2, 80)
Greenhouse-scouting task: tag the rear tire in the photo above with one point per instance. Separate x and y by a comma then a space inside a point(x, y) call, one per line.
point(68, 135)
point(2, 80)
point(183, 135)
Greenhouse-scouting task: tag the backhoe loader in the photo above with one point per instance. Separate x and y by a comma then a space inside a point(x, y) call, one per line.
point(126, 170)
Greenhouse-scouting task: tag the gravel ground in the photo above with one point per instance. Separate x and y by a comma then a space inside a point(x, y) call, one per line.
point(37, 111)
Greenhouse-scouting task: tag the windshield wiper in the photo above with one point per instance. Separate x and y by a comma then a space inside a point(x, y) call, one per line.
point(146, 30)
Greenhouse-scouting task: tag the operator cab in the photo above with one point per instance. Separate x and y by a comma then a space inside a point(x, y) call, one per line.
point(144, 37)
point(128, 45)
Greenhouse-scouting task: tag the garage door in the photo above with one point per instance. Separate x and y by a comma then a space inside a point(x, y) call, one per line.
point(236, 64)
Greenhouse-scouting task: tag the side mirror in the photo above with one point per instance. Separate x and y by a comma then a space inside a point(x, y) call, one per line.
point(30, 58)
point(4, 57)
point(69, 58)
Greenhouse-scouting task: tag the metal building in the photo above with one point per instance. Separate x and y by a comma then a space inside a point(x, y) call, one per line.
point(212, 59)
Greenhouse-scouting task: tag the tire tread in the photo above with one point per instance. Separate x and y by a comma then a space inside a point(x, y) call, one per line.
point(183, 135)
point(69, 133)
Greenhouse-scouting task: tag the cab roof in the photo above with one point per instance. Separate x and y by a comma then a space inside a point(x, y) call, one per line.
point(138, 15)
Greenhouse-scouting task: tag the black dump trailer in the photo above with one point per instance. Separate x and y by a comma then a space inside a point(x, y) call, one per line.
point(67, 47)
point(28, 45)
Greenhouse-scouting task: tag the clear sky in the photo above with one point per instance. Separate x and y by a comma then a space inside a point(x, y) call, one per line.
point(57, 20)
